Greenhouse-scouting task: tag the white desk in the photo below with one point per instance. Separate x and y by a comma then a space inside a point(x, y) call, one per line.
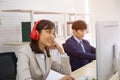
point(115, 77)
point(90, 70)
point(87, 70)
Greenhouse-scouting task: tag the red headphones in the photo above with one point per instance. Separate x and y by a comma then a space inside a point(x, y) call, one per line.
point(35, 34)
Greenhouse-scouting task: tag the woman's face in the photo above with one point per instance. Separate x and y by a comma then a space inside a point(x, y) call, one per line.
point(47, 37)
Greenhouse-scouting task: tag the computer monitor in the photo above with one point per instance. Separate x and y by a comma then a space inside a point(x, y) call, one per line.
point(107, 34)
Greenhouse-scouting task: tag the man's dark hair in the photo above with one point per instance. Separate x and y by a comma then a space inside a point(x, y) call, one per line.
point(79, 25)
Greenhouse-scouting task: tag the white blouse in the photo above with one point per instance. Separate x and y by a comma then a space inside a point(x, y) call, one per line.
point(43, 61)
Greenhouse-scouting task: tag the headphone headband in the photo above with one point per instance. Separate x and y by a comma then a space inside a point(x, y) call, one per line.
point(35, 25)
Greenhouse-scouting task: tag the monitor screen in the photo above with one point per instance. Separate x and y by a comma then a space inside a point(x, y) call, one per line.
point(107, 33)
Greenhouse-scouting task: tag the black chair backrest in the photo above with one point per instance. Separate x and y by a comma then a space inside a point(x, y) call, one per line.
point(64, 47)
point(8, 66)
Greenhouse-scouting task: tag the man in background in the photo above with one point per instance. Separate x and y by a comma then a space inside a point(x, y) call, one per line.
point(79, 49)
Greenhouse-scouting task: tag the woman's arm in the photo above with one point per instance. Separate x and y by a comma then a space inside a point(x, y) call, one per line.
point(67, 77)
point(63, 67)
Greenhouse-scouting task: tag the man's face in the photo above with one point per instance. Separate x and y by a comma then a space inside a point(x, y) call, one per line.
point(79, 33)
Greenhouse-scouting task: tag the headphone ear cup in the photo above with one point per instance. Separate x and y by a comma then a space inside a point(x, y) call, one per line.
point(37, 35)
point(34, 35)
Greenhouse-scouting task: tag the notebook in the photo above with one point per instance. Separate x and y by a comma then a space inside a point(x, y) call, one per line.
point(53, 75)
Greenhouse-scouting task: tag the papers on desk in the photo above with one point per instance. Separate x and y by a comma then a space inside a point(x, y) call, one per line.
point(53, 75)
point(85, 78)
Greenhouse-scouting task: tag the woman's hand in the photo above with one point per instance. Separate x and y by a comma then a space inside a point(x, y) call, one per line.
point(68, 77)
point(57, 46)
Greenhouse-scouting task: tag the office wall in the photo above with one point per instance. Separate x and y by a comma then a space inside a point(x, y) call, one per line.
point(103, 10)
point(10, 27)
point(54, 5)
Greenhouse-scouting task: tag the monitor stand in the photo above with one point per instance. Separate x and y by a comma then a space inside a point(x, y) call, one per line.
point(116, 56)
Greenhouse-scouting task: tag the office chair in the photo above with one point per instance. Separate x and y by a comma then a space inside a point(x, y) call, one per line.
point(64, 47)
point(8, 66)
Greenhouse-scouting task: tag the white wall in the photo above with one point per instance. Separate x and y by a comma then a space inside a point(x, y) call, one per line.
point(103, 10)
point(44, 5)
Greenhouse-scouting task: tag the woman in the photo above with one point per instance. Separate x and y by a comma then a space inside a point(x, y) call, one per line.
point(34, 60)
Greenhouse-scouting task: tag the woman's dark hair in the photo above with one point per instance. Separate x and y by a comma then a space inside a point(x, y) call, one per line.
point(79, 25)
point(42, 25)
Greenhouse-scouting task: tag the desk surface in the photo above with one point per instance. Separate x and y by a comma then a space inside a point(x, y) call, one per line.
point(115, 77)
point(87, 70)
point(90, 70)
